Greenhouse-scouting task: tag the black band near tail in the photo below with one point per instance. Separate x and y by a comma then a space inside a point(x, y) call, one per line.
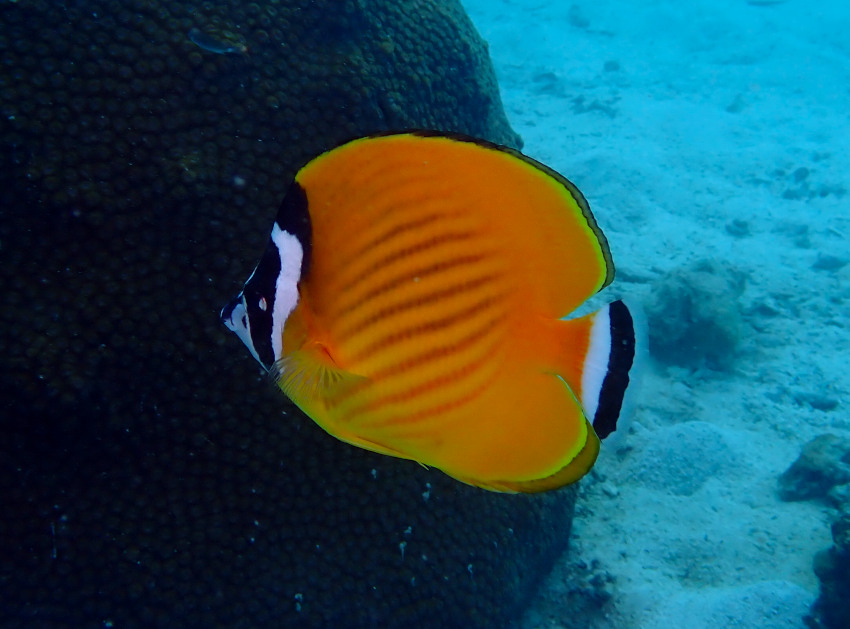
point(619, 363)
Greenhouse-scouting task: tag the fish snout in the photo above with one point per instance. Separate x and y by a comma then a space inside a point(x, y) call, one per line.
point(234, 315)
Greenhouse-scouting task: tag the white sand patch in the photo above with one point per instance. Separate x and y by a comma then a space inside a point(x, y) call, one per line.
point(700, 131)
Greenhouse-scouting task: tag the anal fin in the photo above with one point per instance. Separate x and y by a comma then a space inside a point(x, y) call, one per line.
point(570, 473)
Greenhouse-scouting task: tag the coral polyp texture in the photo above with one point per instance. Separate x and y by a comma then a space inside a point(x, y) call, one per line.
point(151, 476)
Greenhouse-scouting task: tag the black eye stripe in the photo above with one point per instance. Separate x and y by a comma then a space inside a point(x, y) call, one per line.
point(259, 289)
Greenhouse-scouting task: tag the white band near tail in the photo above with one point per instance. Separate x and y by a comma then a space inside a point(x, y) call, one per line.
point(596, 362)
point(608, 366)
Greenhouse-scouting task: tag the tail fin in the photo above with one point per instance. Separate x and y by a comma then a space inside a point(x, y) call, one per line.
point(601, 348)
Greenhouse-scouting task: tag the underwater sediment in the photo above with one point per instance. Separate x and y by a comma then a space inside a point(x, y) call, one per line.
point(151, 476)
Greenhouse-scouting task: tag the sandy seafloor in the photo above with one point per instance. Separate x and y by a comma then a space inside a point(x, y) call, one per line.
point(715, 134)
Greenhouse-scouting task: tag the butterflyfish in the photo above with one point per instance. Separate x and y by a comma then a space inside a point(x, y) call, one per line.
point(412, 302)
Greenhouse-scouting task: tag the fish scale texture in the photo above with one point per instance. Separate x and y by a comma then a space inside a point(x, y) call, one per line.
point(149, 475)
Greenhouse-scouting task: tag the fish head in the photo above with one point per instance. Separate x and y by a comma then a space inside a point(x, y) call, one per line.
point(257, 315)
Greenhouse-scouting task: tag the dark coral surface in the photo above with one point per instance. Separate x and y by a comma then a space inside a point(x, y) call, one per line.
point(149, 475)
point(832, 566)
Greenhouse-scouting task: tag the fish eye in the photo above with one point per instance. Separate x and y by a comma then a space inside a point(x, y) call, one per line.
point(263, 304)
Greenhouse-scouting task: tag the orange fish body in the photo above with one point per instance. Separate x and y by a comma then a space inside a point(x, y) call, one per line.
point(428, 318)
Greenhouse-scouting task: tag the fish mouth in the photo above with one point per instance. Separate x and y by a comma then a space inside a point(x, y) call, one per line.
point(235, 316)
point(227, 313)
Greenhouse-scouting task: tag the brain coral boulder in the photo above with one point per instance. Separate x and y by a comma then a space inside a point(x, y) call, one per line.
point(832, 566)
point(151, 476)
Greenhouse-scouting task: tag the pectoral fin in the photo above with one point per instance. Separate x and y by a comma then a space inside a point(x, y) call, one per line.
point(310, 375)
